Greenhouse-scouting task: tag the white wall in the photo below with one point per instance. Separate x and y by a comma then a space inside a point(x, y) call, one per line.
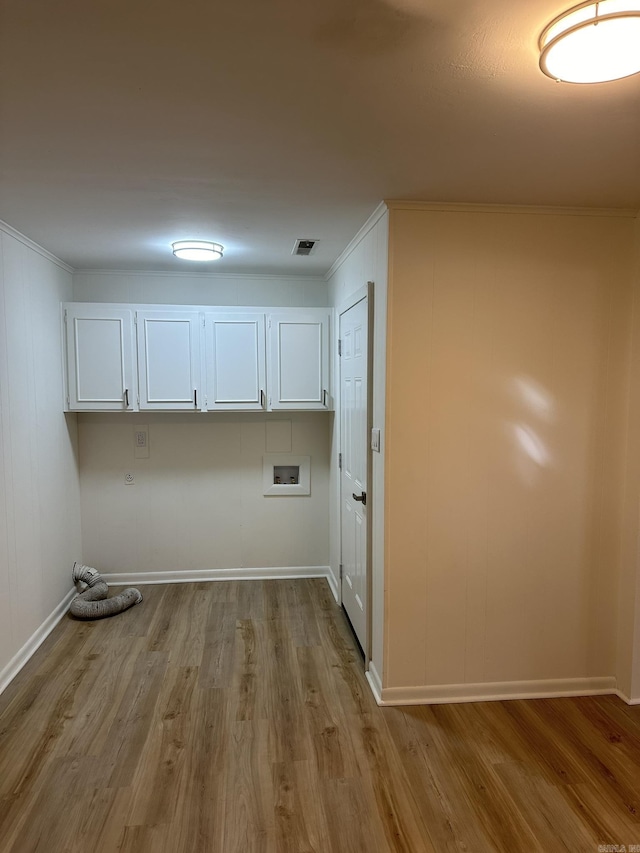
point(197, 503)
point(39, 489)
point(366, 260)
point(508, 448)
point(199, 289)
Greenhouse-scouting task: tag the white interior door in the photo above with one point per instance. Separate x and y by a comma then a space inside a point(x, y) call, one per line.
point(353, 478)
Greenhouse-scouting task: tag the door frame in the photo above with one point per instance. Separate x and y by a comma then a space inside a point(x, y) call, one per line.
point(366, 291)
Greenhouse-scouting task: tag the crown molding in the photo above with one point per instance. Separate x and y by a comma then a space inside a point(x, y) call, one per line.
point(311, 279)
point(521, 209)
point(377, 214)
point(36, 247)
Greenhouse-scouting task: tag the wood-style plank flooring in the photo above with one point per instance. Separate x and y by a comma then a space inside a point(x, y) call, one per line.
point(234, 716)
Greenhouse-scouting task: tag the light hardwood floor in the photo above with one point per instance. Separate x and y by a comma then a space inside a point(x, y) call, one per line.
point(234, 716)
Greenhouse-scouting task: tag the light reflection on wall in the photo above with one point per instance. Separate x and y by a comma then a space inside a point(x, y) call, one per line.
point(535, 397)
point(532, 452)
point(531, 444)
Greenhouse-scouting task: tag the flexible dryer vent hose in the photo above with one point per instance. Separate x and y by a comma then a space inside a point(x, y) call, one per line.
point(93, 602)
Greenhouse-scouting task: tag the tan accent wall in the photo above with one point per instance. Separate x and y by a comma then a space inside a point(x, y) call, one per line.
point(510, 513)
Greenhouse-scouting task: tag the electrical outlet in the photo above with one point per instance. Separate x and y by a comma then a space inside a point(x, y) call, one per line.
point(141, 441)
point(129, 478)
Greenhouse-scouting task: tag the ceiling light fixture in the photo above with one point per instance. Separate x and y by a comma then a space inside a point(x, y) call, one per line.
point(593, 42)
point(197, 250)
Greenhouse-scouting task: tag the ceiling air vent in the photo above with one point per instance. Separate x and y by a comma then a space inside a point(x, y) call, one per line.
point(304, 247)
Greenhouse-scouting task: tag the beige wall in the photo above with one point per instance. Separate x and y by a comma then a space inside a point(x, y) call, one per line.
point(364, 261)
point(39, 492)
point(509, 347)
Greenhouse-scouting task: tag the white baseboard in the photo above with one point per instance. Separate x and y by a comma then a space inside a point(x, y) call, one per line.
point(333, 584)
point(276, 573)
point(626, 698)
point(493, 691)
point(375, 682)
point(35, 641)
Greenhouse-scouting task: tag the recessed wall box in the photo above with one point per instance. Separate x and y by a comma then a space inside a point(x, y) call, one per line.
point(284, 474)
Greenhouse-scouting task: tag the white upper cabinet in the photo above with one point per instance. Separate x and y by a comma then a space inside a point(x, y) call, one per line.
point(169, 359)
point(100, 358)
point(196, 358)
point(235, 361)
point(298, 367)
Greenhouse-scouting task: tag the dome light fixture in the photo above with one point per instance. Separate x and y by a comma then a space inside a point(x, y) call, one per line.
point(593, 42)
point(197, 250)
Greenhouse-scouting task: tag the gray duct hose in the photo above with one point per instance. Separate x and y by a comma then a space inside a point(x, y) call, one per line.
point(93, 602)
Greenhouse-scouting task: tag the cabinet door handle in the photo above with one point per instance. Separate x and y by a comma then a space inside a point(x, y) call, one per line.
point(126, 398)
point(261, 399)
point(195, 397)
point(360, 498)
point(324, 398)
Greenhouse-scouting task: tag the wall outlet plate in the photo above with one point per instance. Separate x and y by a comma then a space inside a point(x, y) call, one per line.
point(141, 441)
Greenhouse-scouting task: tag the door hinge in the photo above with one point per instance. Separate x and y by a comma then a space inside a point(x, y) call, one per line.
point(203, 322)
point(340, 461)
point(65, 315)
point(269, 326)
point(340, 571)
point(135, 318)
point(339, 347)
point(68, 402)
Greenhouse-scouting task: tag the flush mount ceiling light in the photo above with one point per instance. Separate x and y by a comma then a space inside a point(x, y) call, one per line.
point(197, 250)
point(593, 42)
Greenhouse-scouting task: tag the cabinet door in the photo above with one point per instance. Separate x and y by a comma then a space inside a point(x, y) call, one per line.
point(299, 360)
point(235, 361)
point(169, 359)
point(100, 358)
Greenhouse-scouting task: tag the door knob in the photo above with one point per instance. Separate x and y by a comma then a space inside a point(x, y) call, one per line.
point(361, 498)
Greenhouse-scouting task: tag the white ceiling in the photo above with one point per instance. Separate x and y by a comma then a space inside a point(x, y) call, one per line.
point(126, 125)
